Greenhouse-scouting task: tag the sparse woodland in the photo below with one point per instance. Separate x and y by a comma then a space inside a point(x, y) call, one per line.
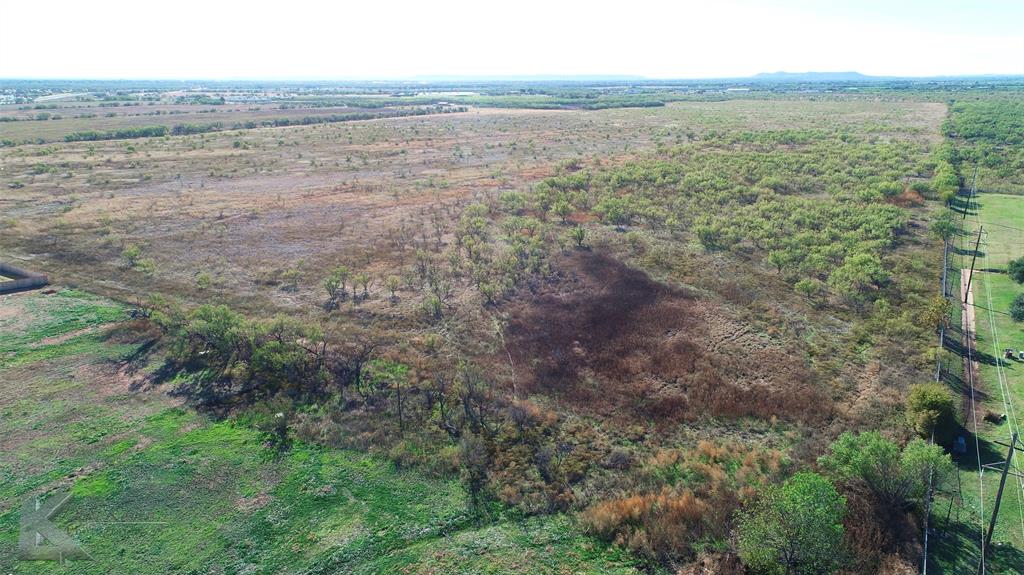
point(677, 333)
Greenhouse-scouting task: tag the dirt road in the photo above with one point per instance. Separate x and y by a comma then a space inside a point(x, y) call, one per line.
point(971, 367)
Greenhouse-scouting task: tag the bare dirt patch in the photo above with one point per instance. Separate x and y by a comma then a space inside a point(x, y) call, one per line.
point(610, 338)
point(249, 504)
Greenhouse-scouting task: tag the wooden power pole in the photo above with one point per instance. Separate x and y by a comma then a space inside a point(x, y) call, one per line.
point(974, 182)
point(999, 499)
point(970, 276)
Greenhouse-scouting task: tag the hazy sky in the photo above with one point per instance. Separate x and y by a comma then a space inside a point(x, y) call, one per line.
point(397, 38)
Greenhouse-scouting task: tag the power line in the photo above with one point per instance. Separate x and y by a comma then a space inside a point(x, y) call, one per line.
point(969, 369)
point(1005, 392)
point(1008, 407)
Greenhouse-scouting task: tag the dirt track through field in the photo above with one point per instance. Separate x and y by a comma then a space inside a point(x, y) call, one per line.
point(971, 367)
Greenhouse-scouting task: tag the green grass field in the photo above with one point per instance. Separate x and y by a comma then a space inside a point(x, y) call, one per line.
point(1002, 217)
point(158, 488)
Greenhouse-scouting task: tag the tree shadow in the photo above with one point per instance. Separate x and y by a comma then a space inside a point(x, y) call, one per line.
point(967, 252)
point(956, 550)
point(960, 204)
point(990, 310)
point(955, 346)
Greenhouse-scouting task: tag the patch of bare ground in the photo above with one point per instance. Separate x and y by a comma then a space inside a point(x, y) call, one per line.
point(250, 504)
point(608, 338)
point(117, 379)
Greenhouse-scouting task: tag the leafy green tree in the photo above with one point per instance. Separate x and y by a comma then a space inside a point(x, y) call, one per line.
point(578, 235)
point(364, 280)
point(858, 274)
point(809, 288)
point(889, 189)
point(290, 278)
point(780, 259)
point(898, 478)
point(513, 202)
point(794, 529)
point(935, 312)
point(614, 210)
point(392, 283)
point(1017, 308)
point(708, 236)
point(931, 409)
point(945, 226)
point(1015, 270)
point(562, 209)
point(334, 285)
point(130, 255)
point(215, 333)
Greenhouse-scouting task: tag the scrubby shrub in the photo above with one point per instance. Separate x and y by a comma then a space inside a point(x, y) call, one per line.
point(931, 408)
point(1017, 308)
point(1015, 269)
point(944, 225)
point(795, 528)
point(684, 502)
point(578, 235)
point(661, 526)
point(130, 255)
point(898, 478)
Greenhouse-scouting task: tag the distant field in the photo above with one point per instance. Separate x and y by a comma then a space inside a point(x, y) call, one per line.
point(159, 489)
point(243, 204)
point(143, 116)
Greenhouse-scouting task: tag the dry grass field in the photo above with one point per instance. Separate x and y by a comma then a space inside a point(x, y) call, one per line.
point(244, 205)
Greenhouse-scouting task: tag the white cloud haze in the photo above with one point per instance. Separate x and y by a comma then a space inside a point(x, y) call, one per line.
point(346, 40)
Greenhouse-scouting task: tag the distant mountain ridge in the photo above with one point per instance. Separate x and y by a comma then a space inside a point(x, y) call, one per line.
point(814, 77)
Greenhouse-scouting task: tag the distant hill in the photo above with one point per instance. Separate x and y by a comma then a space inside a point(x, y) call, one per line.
point(813, 77)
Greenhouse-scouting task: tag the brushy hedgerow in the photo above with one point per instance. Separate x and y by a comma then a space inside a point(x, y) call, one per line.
point(683, 500)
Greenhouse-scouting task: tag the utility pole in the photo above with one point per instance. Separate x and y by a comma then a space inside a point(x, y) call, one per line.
point(970, 276)
point(974, 181)
point(999, 499)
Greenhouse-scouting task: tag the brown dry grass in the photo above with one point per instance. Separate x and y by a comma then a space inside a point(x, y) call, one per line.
point(610, 339)
point(314, 197)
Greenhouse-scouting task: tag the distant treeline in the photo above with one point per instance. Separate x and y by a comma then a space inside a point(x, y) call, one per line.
point(988, 133)
point(540, 101)
point(122, 134)
point(187, 129)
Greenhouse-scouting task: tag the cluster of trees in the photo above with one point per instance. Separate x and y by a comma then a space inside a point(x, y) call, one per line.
point(185, 129)
point(819, 214)
point(797, 527)
point(719, 496)
point(236, 362)
point(1015, 269)
point(337, 283)
point(946, 178)
point(988, 133)
point(121, 134)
